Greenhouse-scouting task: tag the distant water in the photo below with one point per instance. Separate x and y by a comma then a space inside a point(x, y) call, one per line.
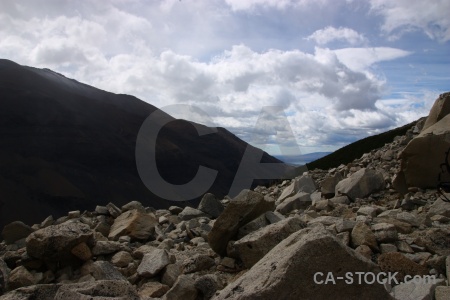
point(302, 159)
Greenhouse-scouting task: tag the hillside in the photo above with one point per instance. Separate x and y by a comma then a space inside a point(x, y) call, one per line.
point(65, 146)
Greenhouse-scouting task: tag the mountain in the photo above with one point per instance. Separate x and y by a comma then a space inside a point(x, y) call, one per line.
point(302, 159)
point(67, 146)
point(356, 149)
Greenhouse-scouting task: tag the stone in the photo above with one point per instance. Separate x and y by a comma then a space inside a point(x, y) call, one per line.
point(288, 272)
point(20, 277)
point(175, 210)
point(386, 248)
point(364, 251)
point(4, 275)
point(113, 210)
point(252, 226)
point(54, 243)
point(152, 263)
point(340, 200)
point(362, 235)
point(207, 285)
point(345, 225)
point(300, 200)
point(133, 223)
point(170, 274)
point(329, 185)
point(255, 245)
point(344, 237)
point(74, 214)
point(439, 110)
point(244, 208)
point(82, 251)
point(422, 158)
point(360, 184)
point(323, 205)
point(197, 263)
point(133, 205)
point(442, 293)
point(416, 290)
point(97, 290)
point(189, 213)
point(408, 218)
point(367, 211)
point(153, 290)
point(385, 232)
point(15, 231)
point(439, 207)
point(101, 210)
point(183, 289)
point(325, 220)
point(106, 247)
point(303, 184)
point(210, 205)
point(101, 270)
point(228, 262)
point(397, 262)
point(121, 259)
point(403, 246)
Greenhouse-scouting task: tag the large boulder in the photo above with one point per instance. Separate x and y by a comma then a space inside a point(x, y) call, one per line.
point(210, 205)
point(296, 268)
point(300, 200)
point(255, 245)
point(303, 183)
point(440, 109)
point(54, 243)
point(360, 184)
point(423, 158)
point(245, 207)
point(133, 223)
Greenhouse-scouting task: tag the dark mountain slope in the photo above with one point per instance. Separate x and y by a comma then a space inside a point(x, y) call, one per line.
point(65, 145)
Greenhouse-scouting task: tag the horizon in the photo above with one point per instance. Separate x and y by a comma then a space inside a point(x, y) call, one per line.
point(363, 68)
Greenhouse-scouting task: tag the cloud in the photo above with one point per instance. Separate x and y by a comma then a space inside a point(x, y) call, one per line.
point(402, 16)
point(330, 34)
point(237, 5)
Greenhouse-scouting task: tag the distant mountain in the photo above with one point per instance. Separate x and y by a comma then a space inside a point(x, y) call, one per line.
point(301, 159)
point(355, 150)
point(66, 146)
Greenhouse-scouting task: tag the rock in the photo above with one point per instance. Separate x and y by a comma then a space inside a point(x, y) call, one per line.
point(121, 259)
point(54, 243)
point(325, 220)
point(242, 209)
point(364, 251)
point(4, 275)
point(153, 262)
point(189, 213)
point(183, 289)
point(385, 232)
point(300, 200)
point(101, 270)
point(439, 207)
point(415, 290)
point(422, 158)
point(434, 240)
point(367, 211)
point(362, 235)
point(255, 245)
point(20, 277)
point(329, 185)
point(170, 274)
point(133, 205)
point(345, 225)
point(408, 218)
point(397, 262)
point(106, 247)
point(198, 262)
point(440, 109)
point(210, 205)
point(207, 285)
point(101, 210)
point(252, 226)
point(361, 184)
point(442, 293)
point(386, 248)
point(175, 210)
point(153, 290)
point(303, 184)
point(82, 251)
point(15, 231)
point(290, 263)
point(403, 246)
point(97, 290)
point(133, 223)
point(113, 210)
point(228, 262)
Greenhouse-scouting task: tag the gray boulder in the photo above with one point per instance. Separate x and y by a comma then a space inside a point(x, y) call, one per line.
point(255, 245)
point(133, 223)
point(300, 200)
point(303, 183)
point(153, 262)
point(15, 231)
point(440, 109)
point(211, 205)
point(291, 271)
point(245, 207)
point(360, 184)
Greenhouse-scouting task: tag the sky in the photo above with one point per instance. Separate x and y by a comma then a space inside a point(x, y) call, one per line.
point(288, 76)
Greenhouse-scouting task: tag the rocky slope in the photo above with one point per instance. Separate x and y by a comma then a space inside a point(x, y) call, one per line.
point(269, 243)
point(65, 145)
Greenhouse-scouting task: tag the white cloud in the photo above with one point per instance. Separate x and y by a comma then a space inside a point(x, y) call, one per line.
point(402, 16)
point(330, 34)
point(237, 5)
